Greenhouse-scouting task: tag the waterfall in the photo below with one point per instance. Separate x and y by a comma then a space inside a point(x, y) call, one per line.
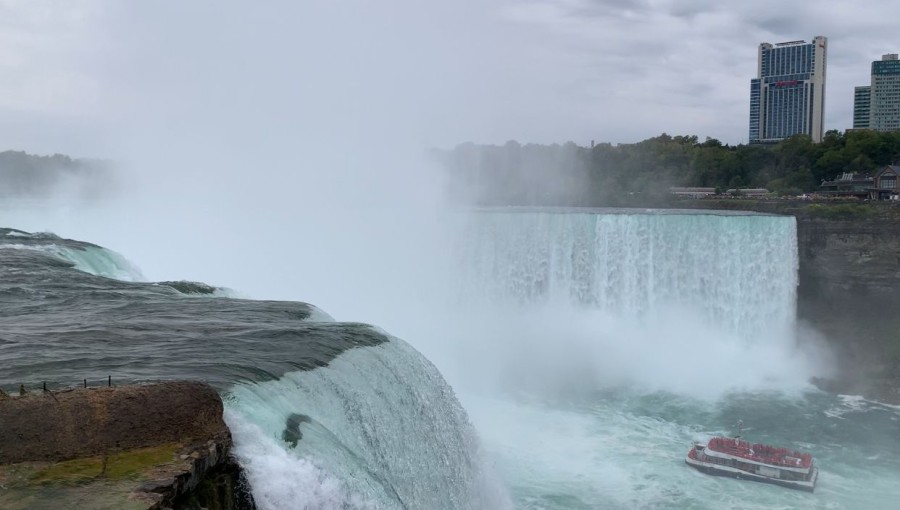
point(738, 271)
point(691, 302)
point(378, 428)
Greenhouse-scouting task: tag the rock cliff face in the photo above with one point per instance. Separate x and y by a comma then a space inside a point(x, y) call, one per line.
point(850, 291)
point(142, 447)
point(849, 258)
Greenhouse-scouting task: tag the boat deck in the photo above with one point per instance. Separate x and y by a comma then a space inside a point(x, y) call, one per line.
point(760, 453)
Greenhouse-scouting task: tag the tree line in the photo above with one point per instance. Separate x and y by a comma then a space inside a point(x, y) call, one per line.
point(605, 174)
point(29, 175)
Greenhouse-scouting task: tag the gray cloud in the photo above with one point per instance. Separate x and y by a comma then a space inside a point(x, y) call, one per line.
point(221, 74)
point(614, 8)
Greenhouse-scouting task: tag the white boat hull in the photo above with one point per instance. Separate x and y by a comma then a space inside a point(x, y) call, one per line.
point(732, 472)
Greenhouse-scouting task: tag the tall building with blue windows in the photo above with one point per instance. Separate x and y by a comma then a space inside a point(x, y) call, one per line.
point(787, 97)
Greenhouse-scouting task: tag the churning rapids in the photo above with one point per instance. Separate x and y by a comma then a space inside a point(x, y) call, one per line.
point(583, 352)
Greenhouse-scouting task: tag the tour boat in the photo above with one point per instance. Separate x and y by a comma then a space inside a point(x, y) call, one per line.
point(734, 457)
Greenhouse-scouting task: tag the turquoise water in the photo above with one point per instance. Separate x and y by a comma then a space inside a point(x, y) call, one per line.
point(561, 360)
point(621, 450)
point(610, 341)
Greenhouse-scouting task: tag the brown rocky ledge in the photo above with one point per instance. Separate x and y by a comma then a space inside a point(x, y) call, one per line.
point(155, 446)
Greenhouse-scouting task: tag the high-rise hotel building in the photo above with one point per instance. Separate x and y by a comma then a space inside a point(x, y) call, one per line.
point(862, 102)
point(877, 106)
point(788, 95)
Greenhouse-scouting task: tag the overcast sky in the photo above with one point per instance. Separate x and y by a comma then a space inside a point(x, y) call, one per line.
point(104, 77)
point(275, 147)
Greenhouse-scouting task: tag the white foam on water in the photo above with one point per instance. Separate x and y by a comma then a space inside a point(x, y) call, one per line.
point(381, 420)
point(282, 481)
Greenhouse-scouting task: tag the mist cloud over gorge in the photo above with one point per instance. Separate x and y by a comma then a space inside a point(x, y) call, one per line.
point(278, 148)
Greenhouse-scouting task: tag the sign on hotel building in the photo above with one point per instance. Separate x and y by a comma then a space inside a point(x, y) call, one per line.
point(788, 95)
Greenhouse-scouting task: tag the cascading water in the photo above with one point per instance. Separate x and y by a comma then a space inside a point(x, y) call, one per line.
point(738, 271)
point(600, 297)
point(85, 257)
point(607, 341)
point(325, 414)
point(379, 428)
point(589, 348)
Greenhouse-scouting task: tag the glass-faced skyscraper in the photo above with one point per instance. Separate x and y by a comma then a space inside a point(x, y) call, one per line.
point(862, 99)
point(788, 95)
point(877, 105)
point(884, 110)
